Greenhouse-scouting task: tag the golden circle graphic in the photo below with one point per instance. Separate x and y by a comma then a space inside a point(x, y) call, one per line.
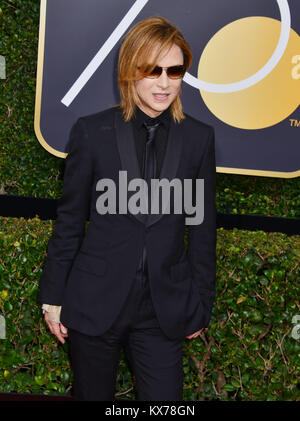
point(237, 51)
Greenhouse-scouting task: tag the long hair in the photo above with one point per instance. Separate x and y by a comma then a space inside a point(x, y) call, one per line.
point(139, 44)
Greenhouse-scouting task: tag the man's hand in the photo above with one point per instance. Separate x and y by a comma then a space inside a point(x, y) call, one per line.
point(195, 334)
point(57, 329)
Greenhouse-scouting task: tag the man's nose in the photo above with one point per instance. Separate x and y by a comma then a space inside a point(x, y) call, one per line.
point(163, 80)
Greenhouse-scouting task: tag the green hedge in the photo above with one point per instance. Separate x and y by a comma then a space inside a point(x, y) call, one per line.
point(247, 353)
point(27, 169)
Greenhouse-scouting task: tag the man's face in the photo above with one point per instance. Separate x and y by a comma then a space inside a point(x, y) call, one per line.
point(147, 88)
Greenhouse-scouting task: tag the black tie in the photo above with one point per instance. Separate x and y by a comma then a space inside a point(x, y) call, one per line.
point(149, 165)
point(149, 172)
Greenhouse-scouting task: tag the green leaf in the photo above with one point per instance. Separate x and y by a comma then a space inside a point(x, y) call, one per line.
point(229, 387)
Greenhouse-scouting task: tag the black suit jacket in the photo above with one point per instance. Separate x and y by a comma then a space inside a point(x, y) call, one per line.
point(90, 272)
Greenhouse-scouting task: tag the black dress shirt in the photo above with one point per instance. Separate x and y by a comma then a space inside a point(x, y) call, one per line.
point(161, 135)
point(160, 144)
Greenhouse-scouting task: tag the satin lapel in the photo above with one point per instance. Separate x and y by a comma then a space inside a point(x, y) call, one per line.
point(127, 152)
point(129, 162)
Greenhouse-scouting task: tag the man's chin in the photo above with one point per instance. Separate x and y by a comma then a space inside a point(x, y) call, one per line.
point(160, 107)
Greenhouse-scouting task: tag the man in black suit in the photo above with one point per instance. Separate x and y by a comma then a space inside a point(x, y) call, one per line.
point(128, 280)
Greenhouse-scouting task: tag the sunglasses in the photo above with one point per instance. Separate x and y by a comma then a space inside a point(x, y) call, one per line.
point(173, 72)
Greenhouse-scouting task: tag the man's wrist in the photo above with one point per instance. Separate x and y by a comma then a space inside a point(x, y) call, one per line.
point(53, 310)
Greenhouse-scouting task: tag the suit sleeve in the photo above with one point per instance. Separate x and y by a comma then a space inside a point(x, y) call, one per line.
point(202, 237)
point(72, 213)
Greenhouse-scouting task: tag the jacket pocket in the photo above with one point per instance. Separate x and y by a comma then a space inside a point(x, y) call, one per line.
point(90, 263)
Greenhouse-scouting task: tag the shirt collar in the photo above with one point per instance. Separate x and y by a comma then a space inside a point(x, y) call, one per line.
point(140, 117)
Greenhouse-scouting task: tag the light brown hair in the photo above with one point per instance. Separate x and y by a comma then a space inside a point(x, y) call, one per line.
point(138, 45)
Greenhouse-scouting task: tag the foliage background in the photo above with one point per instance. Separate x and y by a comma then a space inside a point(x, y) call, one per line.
point(246, 354)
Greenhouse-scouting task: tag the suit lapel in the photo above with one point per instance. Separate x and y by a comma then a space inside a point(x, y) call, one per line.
point(129, 161)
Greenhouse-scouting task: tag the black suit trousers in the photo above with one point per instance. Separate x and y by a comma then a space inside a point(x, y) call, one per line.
point(155, 360)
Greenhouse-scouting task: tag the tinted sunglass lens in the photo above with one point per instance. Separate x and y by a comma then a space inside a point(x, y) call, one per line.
point(156, 72)
point(176, 72)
